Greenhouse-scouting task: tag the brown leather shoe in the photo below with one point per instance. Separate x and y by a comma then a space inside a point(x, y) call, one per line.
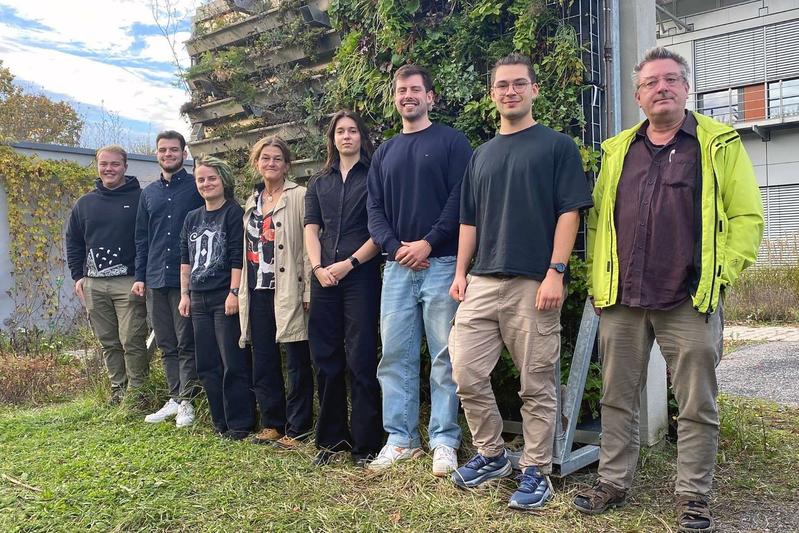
point(599, 499)
point(287, 443)
point(693, 515)
point(266, 436)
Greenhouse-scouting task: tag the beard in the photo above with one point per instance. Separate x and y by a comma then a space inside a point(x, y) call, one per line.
point(173, 167)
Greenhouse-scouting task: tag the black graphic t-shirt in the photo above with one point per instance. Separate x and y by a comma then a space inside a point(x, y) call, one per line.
point(261, 249)
point(211, 243)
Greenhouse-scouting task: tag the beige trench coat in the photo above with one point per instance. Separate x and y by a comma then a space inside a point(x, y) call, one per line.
point(292, 268)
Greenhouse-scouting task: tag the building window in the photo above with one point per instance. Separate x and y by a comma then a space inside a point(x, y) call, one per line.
point(720, 105)
point(783, 98)
point(687, 8)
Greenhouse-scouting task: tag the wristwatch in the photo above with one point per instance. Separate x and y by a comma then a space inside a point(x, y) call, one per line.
point(234, 292)
point(354, 261)
point(560, 268)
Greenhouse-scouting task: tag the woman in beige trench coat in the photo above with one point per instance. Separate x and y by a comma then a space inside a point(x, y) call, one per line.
point(273, 297)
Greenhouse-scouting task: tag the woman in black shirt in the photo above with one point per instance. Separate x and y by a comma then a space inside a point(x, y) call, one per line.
point(345, 295)
point(210, 270)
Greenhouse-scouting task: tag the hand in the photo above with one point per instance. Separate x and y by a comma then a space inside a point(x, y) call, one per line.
point(79, 290)
point(339, 270)
point(458, 288)
point(413, 254)
point(138, 288)
point(185, 305)
point(326, 279)
point(306, 306)
point(597, 310)
point(231, 304)
point(550, 293)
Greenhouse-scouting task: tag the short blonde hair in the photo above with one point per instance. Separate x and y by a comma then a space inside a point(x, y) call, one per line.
point(114, 148)
point(272, 140)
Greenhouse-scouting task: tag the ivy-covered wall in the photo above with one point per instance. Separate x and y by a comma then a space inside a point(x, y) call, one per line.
point(38, 196)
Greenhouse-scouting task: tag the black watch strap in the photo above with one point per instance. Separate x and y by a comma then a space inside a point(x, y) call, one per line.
point(235, 291)
point(354, 261)
point(560, 268)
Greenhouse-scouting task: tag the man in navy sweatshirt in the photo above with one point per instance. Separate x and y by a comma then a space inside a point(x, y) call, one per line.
point(101, 256)
point(162, 209)
point(413, 205)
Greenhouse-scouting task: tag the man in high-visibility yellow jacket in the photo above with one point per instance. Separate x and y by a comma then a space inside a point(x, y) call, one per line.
point(677, 216)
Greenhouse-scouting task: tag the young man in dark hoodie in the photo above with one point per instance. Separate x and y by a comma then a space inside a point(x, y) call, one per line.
point(101, 255)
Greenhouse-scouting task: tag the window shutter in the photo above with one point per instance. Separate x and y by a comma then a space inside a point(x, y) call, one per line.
point(782, 50)
point(731, 60)
point(781, 236)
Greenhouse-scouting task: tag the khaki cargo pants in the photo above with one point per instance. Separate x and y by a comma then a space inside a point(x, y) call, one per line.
point(497, 311)
point(691, 343)
point(119, 321)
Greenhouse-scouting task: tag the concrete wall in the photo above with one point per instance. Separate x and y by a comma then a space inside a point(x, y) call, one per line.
point(144, 167)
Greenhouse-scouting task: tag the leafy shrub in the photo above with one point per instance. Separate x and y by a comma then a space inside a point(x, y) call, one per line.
point(768, 294)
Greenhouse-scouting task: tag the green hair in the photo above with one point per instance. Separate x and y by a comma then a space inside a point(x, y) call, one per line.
point(222, 168)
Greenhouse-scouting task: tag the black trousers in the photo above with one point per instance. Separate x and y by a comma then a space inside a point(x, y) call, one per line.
point(343, 334)
point(222, 366)
point(292, 414)
point(175, 337)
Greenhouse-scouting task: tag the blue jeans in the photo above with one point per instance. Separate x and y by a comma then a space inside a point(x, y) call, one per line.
point(414, 303)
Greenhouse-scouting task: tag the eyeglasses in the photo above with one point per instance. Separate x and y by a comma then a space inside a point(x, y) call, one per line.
point(671, 80)
point(518, 86)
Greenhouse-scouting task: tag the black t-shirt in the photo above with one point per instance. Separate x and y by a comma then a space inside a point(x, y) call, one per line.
point(260, 249)
point(515, 188)
point(212, 244)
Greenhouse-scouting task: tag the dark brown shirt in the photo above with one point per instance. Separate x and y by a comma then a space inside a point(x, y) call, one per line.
point(655, 212)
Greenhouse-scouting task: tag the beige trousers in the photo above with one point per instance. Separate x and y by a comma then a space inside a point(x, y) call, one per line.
point(691, 343)
point(119, 321)
point(498, 311)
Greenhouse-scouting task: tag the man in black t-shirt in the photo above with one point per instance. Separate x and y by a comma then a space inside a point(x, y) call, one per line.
point(520, 202)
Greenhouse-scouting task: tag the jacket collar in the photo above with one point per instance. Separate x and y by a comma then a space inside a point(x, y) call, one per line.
point(707, 129)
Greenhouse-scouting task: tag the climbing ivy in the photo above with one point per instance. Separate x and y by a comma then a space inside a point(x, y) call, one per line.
point(39, 194)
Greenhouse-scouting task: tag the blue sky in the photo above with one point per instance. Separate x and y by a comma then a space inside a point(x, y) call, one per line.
point(100, 54)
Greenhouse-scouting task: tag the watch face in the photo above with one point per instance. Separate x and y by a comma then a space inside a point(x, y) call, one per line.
point(559, 267)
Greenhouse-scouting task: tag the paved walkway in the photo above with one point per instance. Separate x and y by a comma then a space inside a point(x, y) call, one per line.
point(768, 334)
point(768, 369)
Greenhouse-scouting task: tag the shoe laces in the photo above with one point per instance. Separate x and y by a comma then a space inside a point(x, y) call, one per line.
point(389, 452)
point(477, 462)
point(445, 453)
point(531, 480)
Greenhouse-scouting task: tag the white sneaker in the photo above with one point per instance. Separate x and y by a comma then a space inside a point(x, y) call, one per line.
point(390, 454)
point(169, 410)
point(445, 460)
point(185, 415)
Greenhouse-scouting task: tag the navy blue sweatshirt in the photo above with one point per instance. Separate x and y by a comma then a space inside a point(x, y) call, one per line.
point(414, 187)
point(162, 209)
point(100, 232)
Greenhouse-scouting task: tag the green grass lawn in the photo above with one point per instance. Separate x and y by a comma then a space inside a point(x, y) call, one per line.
point(84, 466)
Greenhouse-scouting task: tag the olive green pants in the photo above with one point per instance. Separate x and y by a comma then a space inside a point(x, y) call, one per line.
point(691, 343)
point(119, 321)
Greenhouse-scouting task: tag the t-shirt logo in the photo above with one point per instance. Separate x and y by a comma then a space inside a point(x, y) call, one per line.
point(207, 244)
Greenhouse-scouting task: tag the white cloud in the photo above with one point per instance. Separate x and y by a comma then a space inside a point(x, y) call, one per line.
point(56, 58)
point(125, 91)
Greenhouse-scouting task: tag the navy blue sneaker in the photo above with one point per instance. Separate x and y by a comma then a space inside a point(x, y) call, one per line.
point(480, 469)
point(533, 491)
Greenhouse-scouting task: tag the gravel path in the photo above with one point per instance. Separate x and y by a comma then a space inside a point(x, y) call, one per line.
point(769, 371)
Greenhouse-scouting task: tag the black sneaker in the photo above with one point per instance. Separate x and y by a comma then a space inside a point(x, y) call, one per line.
point(324, 457)
point(233, 434)
point(361, 461)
